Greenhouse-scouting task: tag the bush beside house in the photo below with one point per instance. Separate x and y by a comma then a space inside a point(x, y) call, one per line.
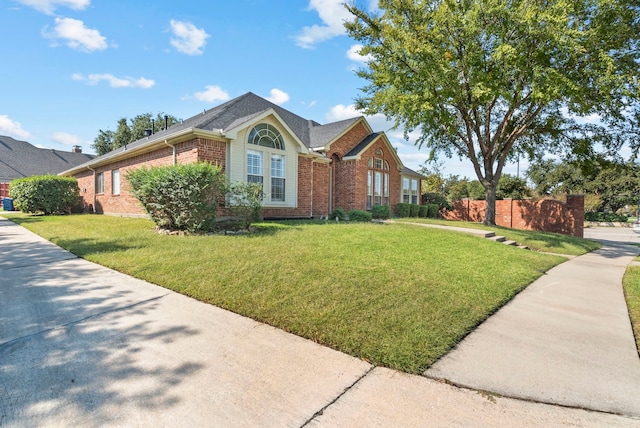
point(45, 194)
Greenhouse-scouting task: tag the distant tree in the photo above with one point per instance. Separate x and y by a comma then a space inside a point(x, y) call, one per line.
point(130, 130)
point(476, 190)
point(456, 188)
point(513, 187)
point(103, 142)
point(489, 79)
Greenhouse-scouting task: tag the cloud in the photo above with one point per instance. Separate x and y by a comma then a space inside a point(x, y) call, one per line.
point(115, 82)
point(341, 112)
point(65, 138)
point(212, 94)
point(49, 6)
point(189, 39)
point(333, 15)
point(278, 97)
point(354, 54)
point(77, 36)
point(12, 128)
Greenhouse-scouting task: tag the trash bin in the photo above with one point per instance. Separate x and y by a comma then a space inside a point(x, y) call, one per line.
point(7, 204)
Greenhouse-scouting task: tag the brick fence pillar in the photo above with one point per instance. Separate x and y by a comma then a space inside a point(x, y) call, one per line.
point(575, 206)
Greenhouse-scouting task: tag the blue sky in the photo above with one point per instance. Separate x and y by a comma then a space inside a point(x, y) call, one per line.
point(72, 67)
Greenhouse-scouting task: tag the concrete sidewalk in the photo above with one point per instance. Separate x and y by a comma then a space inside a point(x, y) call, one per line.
point(87, 346)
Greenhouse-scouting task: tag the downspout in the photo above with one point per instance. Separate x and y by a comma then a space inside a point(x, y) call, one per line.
point(95, 199)
point(175, 155)
point(312, 168)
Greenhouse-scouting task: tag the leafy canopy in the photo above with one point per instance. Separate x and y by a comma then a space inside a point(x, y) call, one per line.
point(487, 79)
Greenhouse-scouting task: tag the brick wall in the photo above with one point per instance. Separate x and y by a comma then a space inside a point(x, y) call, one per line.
point(4, 190)
point(547, 215)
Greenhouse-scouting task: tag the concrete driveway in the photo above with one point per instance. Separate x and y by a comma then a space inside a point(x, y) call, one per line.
point(82, 345)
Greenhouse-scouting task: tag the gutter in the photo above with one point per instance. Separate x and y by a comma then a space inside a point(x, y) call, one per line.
point(175, 156)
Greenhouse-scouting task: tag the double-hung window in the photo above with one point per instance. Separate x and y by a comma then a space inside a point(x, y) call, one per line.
point(100, 182)
point(115, 182)
point(266, 161)
point(255, 172)
point(406, 190)
point(277, 178)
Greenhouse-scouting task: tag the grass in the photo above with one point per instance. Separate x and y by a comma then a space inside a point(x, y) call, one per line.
point(539, 241)
point(397, 295)
point(631, 285)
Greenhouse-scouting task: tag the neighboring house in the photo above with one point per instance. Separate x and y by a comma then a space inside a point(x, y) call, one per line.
point(306, 169)
point(19, 159)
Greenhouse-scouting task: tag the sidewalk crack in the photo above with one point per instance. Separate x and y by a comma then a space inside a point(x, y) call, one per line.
point(338, 397)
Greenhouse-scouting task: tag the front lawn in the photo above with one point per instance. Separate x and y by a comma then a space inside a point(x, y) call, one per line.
point(395, 295)
point(631, 285)
point(539, 241)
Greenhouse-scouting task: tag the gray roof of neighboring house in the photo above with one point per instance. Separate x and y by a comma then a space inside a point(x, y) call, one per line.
point(19, 159)
point(409, 171)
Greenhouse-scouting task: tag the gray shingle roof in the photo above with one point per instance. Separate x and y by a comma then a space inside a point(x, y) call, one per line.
point(362, 144)
point(19, 159)
point(321, 135)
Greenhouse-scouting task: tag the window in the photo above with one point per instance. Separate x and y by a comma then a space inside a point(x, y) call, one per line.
point(370, 190)
point(414, 191)
point(277, 178)
point(254, 167)
point(378, 163)
point(370, 163)
point(377, 181)
point(377, 188)
point(100, 182)
point(406, 190)
point(115, 182)
point(386, 189)
point(266, 136)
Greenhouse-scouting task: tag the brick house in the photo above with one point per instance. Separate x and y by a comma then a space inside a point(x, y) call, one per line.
point(307, 169)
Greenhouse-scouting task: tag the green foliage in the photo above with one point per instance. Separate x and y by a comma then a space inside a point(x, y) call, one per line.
point(489, 80)
point(180, 197)
point(381, 211)
point(433, 210)
point(438, 199)
point(245, 202)
point(605, 217)
point(513, 187)
point(338, 214)
point(359, 215)
point(403, 209)
point(476, 191)
point(130, 130)
point(414, 209)
point(424, 211)
point(47, 194)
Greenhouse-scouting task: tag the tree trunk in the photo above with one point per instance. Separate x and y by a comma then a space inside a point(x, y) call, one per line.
point(490, 209)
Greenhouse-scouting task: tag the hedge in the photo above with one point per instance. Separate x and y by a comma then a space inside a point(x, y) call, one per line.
point(380, 211)
point(46, 194)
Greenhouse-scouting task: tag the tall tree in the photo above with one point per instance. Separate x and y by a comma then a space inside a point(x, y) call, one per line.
point(130, 130)
point(487, 79)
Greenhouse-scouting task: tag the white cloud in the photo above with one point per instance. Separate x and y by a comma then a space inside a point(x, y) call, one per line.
point(354, 54)
point(278, 97)
point(76, 35)
point(333, 15)
point(65, 138)
point(12, 128)
point(49, 6)
point(212, 94)
point(115, 82)
point(189, 39)
point(342, 112)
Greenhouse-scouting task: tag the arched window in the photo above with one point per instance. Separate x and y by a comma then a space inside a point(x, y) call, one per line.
point(266, 136)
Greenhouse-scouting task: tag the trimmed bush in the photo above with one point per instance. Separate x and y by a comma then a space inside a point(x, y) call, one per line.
point(180, 197)
point(605, 217)
point(46, 194)
point(424, 211)
point(380, 211)
point(433, 210)
point(414, 209)
point(338, 214)
point(245, 202)
point(359, 215)
point(438, 199)
point(403, 210)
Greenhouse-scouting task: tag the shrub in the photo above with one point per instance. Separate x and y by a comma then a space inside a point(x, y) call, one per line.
point(180, 197)
point(48, 194)
point(605, 217)
point(414, 209)
point(437, 198)
point(380, 211)
point(403, 209)
point(424, 211)
point(338, 214)
point(245, 202)
point(359, 215)
point(433, 210)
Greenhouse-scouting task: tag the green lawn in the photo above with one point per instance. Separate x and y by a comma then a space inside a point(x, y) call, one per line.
point(395, 295)
point(631, 284)
point(539, 241)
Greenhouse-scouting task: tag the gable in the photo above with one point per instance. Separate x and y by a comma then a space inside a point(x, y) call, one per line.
point(370, 140)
